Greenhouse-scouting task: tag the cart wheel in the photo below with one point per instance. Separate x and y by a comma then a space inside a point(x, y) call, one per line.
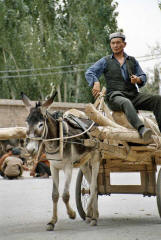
point(159, 192)
point(82, 194)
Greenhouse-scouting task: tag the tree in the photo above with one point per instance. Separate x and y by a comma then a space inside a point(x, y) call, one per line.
point(40, 34)
point(153, 85)
point(159, 2)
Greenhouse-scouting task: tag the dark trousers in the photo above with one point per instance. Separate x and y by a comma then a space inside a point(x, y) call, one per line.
point(42, 168)
point(12, 177)
point(130, 103)
point(1, 173)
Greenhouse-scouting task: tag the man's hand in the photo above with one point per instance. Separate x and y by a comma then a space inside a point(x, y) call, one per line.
point(96, 89)
point(135, 79)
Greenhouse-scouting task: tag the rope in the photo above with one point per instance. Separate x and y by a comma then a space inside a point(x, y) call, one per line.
point(56, 139)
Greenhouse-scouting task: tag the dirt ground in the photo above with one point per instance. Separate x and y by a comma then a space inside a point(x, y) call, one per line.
point(26, 207)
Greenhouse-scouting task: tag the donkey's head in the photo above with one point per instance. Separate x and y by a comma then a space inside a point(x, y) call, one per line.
point(35, 122)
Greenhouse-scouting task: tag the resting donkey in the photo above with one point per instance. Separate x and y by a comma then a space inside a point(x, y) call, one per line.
point(43, 126)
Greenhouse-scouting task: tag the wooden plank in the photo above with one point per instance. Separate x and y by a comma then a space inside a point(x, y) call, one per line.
point(119, 134)
point(98, 118)
point(158, 160)
point(122, 152)
point(158, 153)
point(134, 189)
point(103, 181)
point(133, 157)
point(120, 118)
point(12, 132)
point(113, 151)
point(144, 180)
point(101, 190)
point(148, 180)
point(90, 142)
point(127, 168)
point(149, 148)
point(118, 166)
point(147, 186)
point(143, 157)
point(100, 179)
point(152, 181)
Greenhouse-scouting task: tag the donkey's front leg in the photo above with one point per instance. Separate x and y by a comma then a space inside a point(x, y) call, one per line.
point(66, 195)
point(55, 198)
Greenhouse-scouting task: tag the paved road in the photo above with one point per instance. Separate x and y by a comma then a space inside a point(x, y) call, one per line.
point(26, 207)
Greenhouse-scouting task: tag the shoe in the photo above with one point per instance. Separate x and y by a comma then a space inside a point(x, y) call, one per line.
point(145, 133)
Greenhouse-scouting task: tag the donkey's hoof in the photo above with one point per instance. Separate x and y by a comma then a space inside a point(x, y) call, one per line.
point(88, 220)
point(50, 227)
point(93, 222)
point(73, 215)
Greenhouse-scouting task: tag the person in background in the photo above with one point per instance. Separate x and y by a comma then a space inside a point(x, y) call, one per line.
point(12, 166)
point(4, 156)
point(41, 168)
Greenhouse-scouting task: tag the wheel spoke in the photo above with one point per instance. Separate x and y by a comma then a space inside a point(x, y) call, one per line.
point(84, 193)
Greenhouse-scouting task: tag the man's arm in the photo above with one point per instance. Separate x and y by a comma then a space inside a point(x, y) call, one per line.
point(93, 73)
point(139, 77)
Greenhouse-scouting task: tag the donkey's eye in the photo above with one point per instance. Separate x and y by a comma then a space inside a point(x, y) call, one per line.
point(41, 125)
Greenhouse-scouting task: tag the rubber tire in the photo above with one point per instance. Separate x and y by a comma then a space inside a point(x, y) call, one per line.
point(78, 195)
point(158, 192)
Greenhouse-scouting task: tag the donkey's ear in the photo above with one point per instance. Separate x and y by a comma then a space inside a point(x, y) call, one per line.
point(49, 101)
point(26, 101)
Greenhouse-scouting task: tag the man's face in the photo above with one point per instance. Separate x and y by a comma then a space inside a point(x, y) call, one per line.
point(117, 45)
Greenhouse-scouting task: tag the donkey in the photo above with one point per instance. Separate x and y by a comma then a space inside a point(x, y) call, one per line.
point(43, 126)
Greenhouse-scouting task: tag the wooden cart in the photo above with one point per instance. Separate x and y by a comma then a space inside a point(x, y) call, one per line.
point(121, 156)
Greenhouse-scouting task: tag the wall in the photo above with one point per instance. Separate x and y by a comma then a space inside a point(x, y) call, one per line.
point(13, 112)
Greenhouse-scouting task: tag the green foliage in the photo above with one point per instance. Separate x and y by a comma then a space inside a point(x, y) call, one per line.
point(153, 85)
point(159, 2)
point(39, 34)
point(153, 77)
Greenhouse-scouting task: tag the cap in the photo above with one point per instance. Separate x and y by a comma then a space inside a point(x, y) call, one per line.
point(117, 35)
point(16, 151)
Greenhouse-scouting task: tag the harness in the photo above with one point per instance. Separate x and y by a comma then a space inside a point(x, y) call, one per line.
point(63, 133)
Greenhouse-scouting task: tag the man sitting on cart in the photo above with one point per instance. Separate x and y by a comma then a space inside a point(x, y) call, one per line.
point(124, 77)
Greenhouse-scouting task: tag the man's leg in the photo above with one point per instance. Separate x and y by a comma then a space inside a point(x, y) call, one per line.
point(149, 102)
point(39, 169)
point(120, 103)
point(42, 169)
point(46, 168)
